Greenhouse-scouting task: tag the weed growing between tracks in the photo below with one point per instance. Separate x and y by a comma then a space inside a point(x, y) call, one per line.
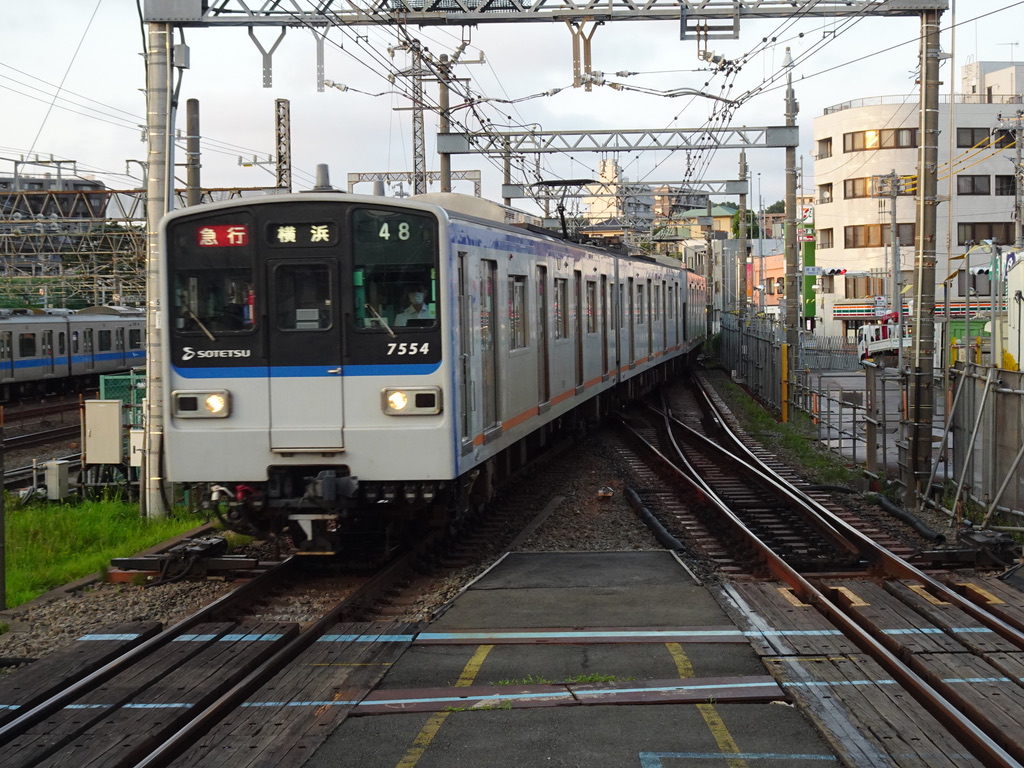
point(49, 544)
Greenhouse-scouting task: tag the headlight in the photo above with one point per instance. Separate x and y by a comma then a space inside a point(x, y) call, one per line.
point(201, 404)
point(411, 401)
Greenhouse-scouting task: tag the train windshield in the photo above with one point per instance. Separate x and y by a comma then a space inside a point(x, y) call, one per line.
point(394, 269)
point(213, 298)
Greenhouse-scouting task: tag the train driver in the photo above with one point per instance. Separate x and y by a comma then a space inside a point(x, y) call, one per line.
point(419, 312)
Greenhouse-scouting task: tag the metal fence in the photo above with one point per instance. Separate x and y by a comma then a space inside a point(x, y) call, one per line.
point(857, 411)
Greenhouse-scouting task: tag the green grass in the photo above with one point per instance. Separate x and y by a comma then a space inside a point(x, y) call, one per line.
point(49, 545)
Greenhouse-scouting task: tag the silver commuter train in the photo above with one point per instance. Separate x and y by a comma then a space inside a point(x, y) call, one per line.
point(63, 351)
point(302, 398)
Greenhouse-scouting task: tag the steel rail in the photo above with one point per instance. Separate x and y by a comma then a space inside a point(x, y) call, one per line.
point(976, 739)
point(204, 721)
point(62, 698)
point(887, 563)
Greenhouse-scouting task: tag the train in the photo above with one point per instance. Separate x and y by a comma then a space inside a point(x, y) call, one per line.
point(344, 368)
point(57, 351)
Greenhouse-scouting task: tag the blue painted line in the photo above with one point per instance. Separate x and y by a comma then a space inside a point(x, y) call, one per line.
point(305, 371)
point(655, 759)
point(115, 636)
point(365, 638)
point(194, 638)
point(265, 637)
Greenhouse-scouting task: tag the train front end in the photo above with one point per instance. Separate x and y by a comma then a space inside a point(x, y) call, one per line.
point(302, 394)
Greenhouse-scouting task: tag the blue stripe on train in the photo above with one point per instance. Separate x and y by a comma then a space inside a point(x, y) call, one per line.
point(306, 371)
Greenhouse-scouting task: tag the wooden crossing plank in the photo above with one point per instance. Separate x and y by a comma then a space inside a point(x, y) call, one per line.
point(34, 683)
point(132, 731)
point(784, 626)
point(323, 684)
point(967, 630)
point(976, 687)
point(62, 727)
point(866, 719)
point(898, 627)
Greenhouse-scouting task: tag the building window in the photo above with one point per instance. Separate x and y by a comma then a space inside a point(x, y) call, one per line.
point(1005, 185)
point(887, 138)
point(853, 188)
point(824, 193)
point(977, 231)
point(824, 148)
point(825, 238)
point(967, 184)
point(863, 287)
point(876, 235)
point(983, 138)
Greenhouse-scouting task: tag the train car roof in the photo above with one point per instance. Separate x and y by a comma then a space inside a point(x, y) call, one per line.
point(111, 309)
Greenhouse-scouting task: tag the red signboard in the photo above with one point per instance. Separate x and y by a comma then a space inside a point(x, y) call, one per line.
point(218, 235)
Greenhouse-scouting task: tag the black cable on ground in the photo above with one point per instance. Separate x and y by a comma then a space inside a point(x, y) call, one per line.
point(666, 539)
point(912, 520)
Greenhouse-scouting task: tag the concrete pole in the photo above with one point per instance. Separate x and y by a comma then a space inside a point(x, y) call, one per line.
point(920, 391)
point(159, 199)
point(444, 123)
point(794, 280)
point(193, 186)
point(741, 280)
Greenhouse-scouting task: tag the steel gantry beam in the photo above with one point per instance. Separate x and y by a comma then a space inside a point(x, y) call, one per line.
point(668, 139)
point(305, 13)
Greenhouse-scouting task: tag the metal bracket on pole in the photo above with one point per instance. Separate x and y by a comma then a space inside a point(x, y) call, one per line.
point(267, 55)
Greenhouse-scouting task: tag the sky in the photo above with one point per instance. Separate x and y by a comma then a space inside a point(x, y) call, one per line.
point(72, 86)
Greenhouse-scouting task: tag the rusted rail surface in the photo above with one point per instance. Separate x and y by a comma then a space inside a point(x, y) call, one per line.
point(980, 736)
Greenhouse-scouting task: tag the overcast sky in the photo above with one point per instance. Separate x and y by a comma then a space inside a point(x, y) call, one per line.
point(72, 81)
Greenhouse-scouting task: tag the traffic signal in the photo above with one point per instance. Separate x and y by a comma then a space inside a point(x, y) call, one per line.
point(834, 272)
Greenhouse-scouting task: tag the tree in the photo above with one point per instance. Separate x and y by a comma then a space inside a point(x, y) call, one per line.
point(753, 231)
point(778, 207)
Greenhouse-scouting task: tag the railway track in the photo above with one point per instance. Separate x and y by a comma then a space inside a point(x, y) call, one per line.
point(823, 562)
point(213, 684)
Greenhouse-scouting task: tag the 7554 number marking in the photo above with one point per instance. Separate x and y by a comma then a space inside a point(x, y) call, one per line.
point(411, 348)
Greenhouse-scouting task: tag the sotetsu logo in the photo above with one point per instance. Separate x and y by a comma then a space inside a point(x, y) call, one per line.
point(187, 353)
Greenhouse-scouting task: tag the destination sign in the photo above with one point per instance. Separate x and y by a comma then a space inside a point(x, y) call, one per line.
point(304, 234)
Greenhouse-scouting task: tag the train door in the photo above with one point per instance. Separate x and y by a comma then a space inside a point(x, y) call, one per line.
point(46, 354)
point(304, 352)
point(603, 309)
point(577, 300)
point(631, 322)
point(6, 355)
point(489, 343)
point(466, 325)
point(543, 349)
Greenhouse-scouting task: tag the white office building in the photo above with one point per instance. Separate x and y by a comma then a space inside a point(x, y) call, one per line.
point(859, 143)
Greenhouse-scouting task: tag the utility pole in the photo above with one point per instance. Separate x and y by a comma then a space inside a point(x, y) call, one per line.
point(892, 186)
point(1017, 121)
point(920, 384)
point(283, 144)
point(193, 186)
point(792, 283)
point(741, 280)
point(444, 121)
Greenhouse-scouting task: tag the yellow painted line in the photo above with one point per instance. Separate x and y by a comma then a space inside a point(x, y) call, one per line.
point(787, 593)
point(921, 591)
point(429, 731)
point(989, 597)
point(855, 601)
point(726, 744)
